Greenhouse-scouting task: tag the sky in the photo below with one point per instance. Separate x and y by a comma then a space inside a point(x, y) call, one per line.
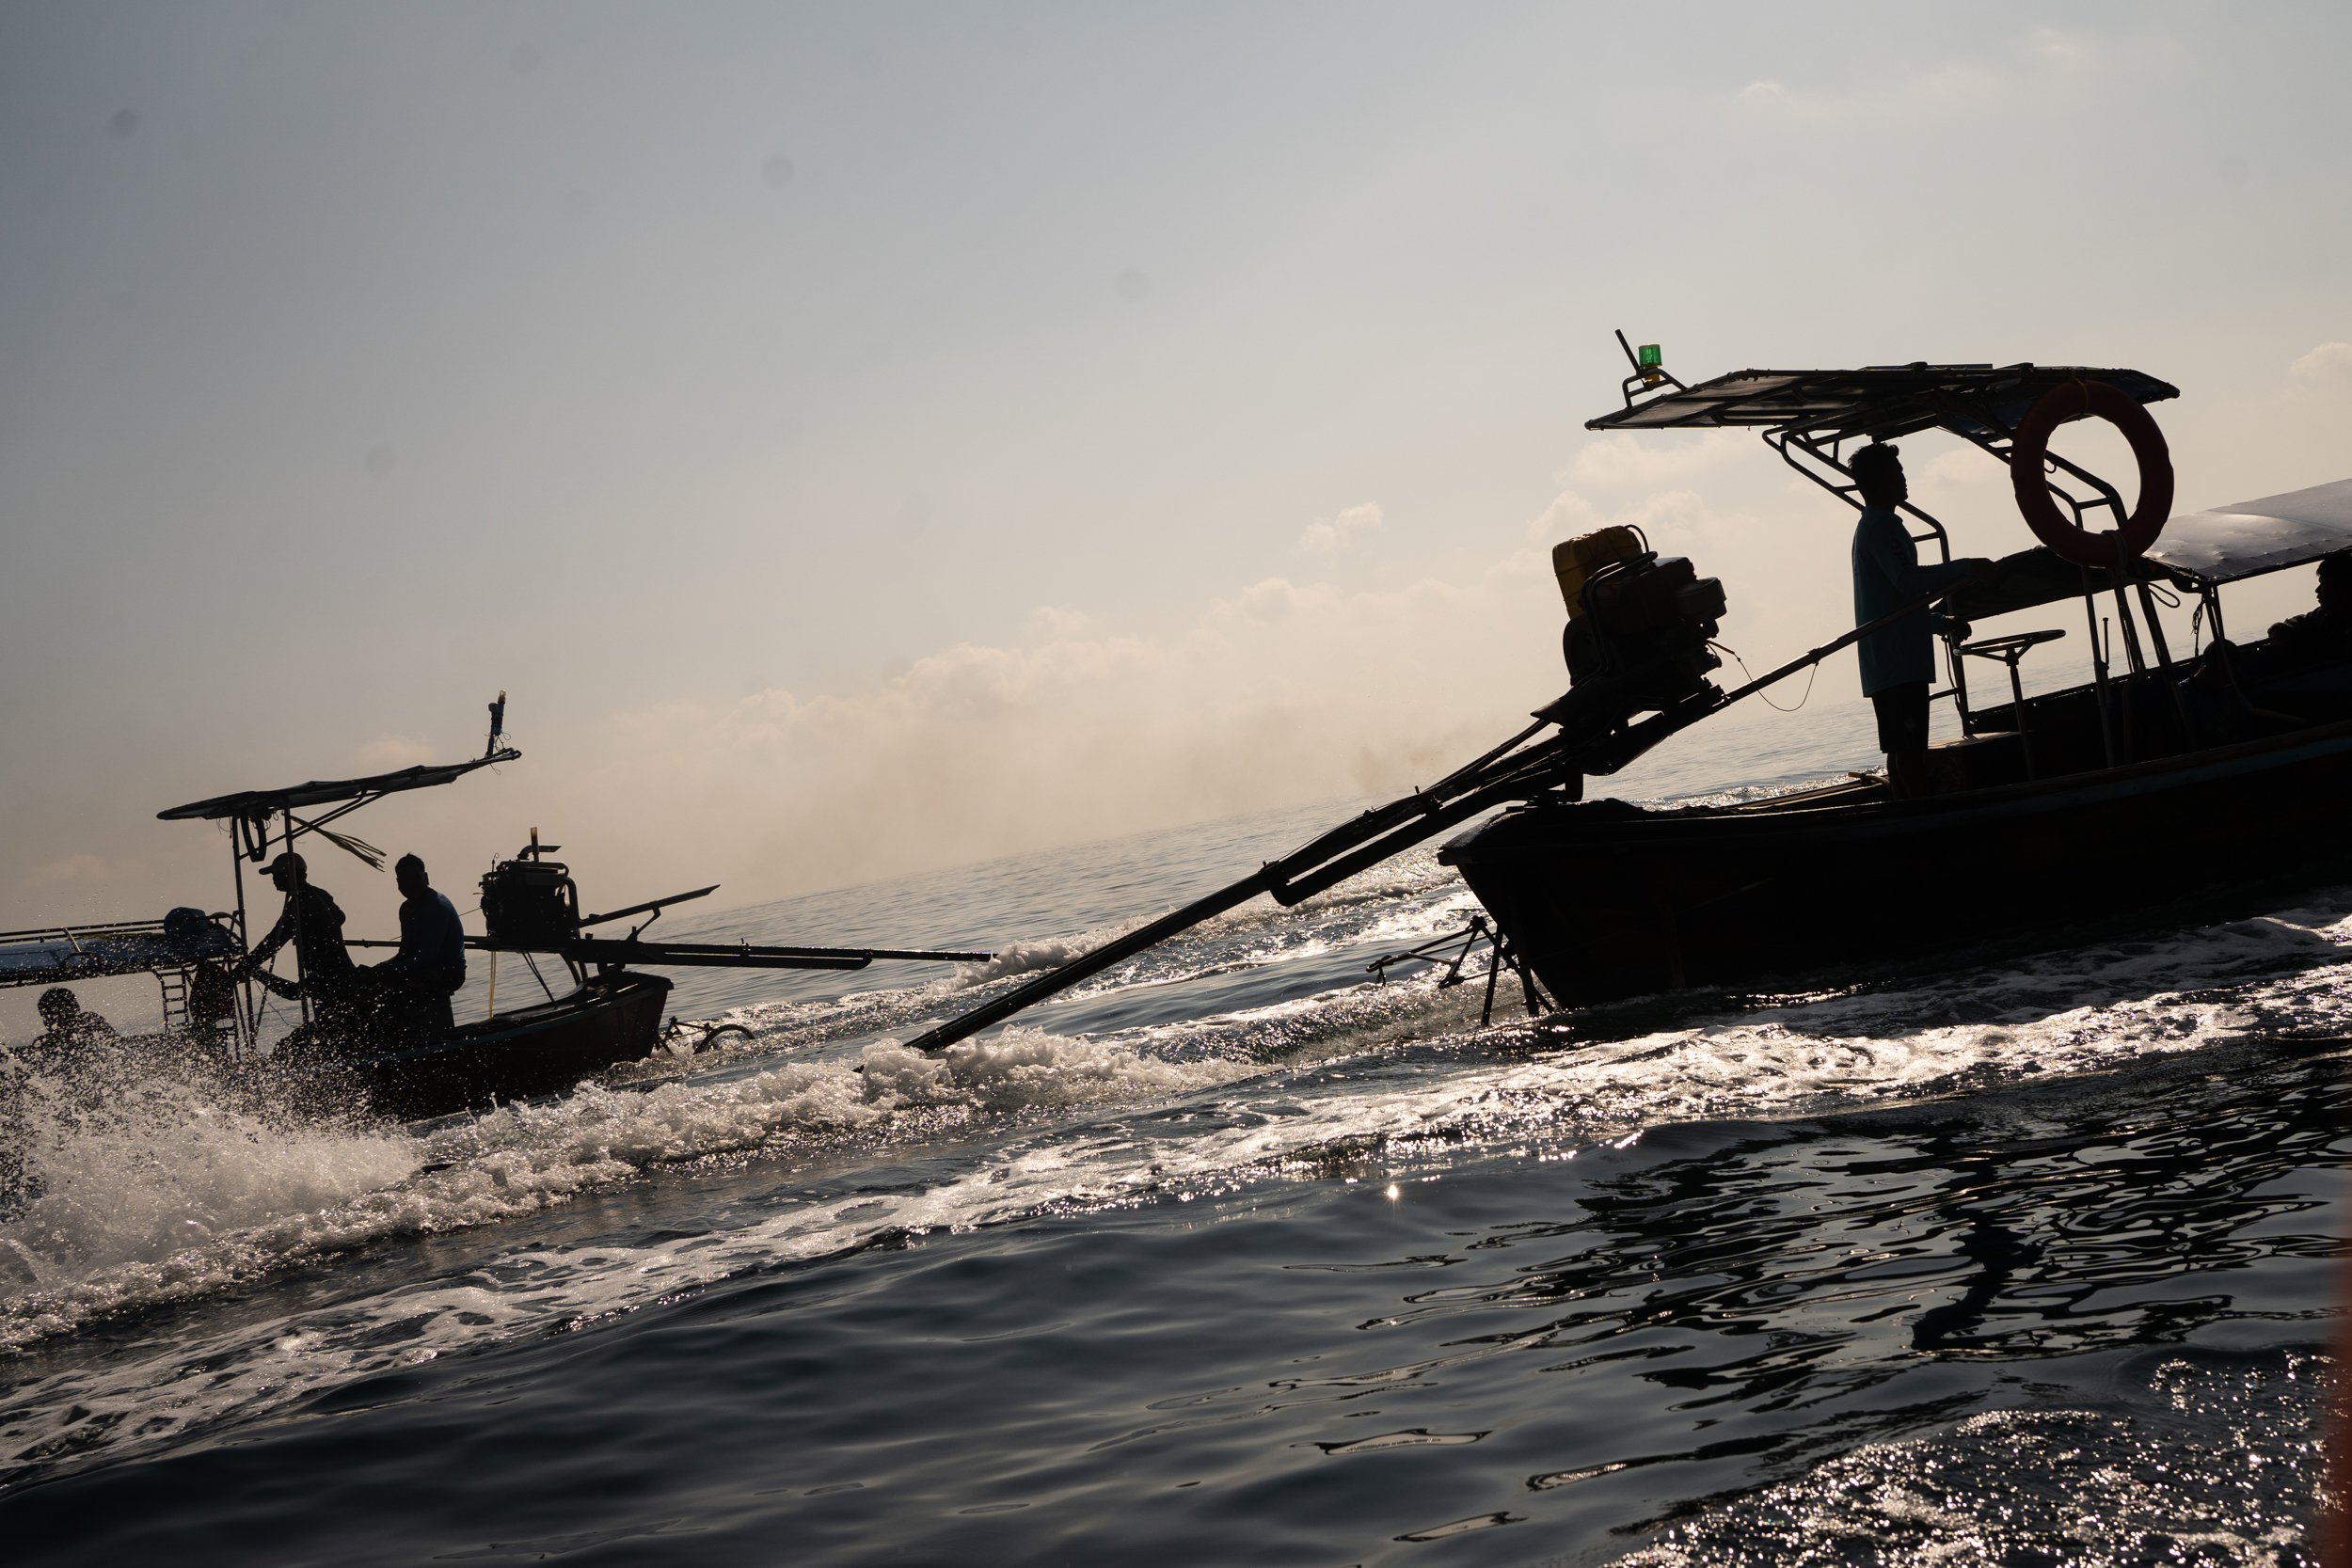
point(861, 439)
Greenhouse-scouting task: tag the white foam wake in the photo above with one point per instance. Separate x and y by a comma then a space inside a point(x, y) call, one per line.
point(1436, 1097)
point(169, 1195)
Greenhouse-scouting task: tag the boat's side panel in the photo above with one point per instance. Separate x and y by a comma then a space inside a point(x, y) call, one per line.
point(544, 1050)
point(1607, 904)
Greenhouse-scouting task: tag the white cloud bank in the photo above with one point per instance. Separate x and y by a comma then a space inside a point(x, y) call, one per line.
point(2034, 70)
point(1329, 536)
point(1624, 461)
point(1282, 693)
point(2326, 366)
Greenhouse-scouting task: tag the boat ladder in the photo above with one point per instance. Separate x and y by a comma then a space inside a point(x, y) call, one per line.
point(175, 985)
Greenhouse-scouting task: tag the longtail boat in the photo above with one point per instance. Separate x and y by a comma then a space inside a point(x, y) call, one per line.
point(2171, 774)
point(377, 1061)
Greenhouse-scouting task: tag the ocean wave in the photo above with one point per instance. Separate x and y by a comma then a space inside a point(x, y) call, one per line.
point(178, 1194)
point(171, 1195)
point(1022, 958)
point(2088, 1486)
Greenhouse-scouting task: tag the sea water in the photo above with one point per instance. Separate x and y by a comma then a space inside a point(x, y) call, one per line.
point(1235, 1254)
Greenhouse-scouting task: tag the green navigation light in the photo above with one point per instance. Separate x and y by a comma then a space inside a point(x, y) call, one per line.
point(1650, 359)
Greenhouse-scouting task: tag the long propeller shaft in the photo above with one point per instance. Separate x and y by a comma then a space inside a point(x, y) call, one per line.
point(1511, 772)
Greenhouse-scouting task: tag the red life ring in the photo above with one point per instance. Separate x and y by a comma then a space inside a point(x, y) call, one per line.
point(2068, 539)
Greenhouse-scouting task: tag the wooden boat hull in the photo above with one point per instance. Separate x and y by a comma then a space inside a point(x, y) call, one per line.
point(533, 1050)
point(1608, 901)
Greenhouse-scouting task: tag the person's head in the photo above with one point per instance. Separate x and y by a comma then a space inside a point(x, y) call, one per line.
point(1878, 472)
point(58, 1006)
point(2335, 582)
point(408, 871)
point(289, 872)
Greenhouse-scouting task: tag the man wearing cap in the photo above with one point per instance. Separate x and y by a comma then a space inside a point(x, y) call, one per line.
point(314, 923)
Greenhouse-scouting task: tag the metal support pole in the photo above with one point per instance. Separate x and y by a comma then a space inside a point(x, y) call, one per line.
point(2127, 719)
point(304, 994)
point(2128, 625)
point(2164, 662)
point(246, 1012)
point(2099, 670)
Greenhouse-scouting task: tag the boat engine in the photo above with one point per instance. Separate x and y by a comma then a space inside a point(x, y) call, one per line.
point(530, 901)
point(1638, 633)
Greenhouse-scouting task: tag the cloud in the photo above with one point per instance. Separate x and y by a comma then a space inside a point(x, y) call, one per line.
point(1568, 515)
point(1328, 537)
point(1279, 692)
point(1962, 465)
point(2039, 66)
point(83, 867)
point(1623, 459)
point(1674, 521)
point(2329, 365)
point(388, 751)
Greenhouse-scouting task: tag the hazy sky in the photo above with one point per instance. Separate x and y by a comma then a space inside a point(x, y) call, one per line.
point(865, 438)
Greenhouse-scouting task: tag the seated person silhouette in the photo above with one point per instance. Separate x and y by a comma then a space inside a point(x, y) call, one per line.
point(67, 1030)
point(421, 977)
point(2323, 634)
point(2300, 674)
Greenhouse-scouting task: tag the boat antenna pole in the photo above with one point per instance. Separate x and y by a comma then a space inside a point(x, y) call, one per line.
point(1503, 774)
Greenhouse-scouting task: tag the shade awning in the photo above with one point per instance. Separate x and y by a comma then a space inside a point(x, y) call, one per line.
point(2270, 534)
point(1881, 401)
point(247, 803)
point(58, 954)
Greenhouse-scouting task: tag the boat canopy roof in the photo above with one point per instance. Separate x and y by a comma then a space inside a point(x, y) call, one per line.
point(2253, 537)
point(1880, 400)
point(248, 803)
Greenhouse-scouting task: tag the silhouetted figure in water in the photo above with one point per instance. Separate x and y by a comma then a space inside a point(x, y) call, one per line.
point(68, 1031)
point(431, 964)
point(1897, 659)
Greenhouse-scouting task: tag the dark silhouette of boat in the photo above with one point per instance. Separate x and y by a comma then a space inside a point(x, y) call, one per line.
point(375, 1059)
point(2160, 780)
point(2163, 778)
point(546, 1048)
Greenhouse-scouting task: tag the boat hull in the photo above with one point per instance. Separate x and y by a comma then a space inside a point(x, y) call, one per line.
point(534, 1050)
point(1608, 901)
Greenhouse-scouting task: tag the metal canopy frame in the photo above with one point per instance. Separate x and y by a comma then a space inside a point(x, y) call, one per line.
point(1811, 417)
point(248, 813)
point(345, 795)
point(1883, 401)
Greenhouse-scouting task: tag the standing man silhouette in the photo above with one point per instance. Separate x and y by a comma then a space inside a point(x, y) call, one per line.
point(1897, 659)
point(314, 922)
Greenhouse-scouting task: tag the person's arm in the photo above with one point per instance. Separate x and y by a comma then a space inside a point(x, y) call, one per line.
point(1884, 547)
point(279, 935)
point(2297, 634)
point(412, 942)
point(277, 984)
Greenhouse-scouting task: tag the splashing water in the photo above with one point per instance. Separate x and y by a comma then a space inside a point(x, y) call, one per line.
point(1175, 1211)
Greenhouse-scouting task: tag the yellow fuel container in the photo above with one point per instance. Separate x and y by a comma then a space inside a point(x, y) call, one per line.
point(1574, 560)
